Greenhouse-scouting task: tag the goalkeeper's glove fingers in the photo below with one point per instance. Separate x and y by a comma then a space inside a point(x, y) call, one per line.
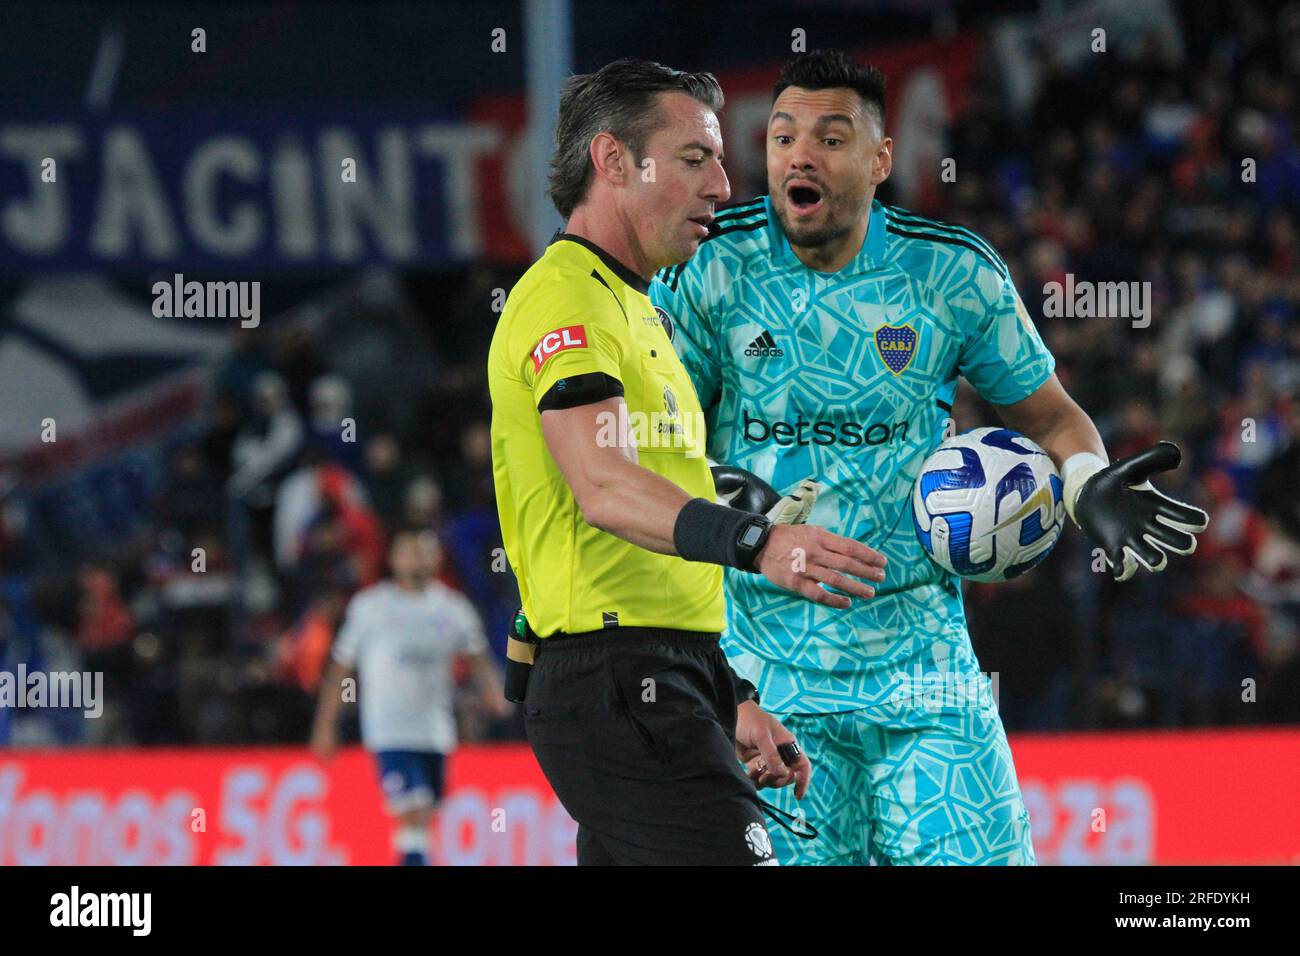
point(743, 489)
point(1135, 525)
point(746, 491)
point(795, 507)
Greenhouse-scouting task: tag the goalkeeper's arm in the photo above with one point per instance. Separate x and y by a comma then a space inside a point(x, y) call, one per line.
point(1116, 505)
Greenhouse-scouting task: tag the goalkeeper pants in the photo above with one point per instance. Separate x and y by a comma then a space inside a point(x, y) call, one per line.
point(906, 786)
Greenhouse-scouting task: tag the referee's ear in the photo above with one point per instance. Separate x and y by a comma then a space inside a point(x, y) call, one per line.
point(606, 153)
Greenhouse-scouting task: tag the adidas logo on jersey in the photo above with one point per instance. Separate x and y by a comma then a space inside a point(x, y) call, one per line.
point(765, 346)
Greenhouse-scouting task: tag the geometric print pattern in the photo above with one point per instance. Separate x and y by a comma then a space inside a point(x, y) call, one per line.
point(826, 403)
point(905, 789)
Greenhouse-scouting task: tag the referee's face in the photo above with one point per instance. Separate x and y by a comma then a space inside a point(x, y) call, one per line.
point(679, 181)
point(825, 157)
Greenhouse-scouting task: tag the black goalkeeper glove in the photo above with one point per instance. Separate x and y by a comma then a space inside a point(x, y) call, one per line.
point(745, 491)
point(1118, 509)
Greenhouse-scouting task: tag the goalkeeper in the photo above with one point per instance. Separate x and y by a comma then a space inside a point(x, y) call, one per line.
point(824, 332)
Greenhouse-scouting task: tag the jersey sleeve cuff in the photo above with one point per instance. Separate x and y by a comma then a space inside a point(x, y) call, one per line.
point(1020, 394)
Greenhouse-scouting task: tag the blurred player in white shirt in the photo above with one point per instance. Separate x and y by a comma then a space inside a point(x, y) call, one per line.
point(402, 638)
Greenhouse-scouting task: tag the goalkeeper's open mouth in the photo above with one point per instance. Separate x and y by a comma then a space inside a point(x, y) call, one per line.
point(803, 197)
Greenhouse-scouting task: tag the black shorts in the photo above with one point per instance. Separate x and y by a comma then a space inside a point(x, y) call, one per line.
point(635, 730)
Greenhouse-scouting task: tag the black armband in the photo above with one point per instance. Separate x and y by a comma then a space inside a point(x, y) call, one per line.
point(720, 535)
point(584, 389)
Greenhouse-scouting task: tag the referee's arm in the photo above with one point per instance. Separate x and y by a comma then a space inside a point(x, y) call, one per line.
point(614, 493)
point(618, 496)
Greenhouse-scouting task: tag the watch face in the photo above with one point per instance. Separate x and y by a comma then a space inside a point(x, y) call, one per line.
point(749, 537)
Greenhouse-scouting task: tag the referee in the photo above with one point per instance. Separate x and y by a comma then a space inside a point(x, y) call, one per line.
point(603, 489)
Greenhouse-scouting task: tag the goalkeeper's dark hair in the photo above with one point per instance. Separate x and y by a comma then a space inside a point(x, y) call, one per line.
point(619, 99)
point(834, 69)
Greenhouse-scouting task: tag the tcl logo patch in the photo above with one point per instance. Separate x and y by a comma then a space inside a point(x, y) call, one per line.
point(570, 337)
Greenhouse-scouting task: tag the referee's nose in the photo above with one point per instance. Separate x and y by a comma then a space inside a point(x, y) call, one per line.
point(717, 188)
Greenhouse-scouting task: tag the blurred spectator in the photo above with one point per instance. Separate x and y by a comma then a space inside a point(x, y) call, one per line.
point(298, 360)
point(103, 620)
point(302, 652)
point(245, 363)
point(222, 425)
point(469, 479)
point(191, 585)
point(300, 499)
point(331, 426)
point(1227, 555)
point(12, 542)
point(422, 505)
point(388, 475)
point(345, 543)
point(1279, 483)
point(265, 446)
point(263, 452)
point(190, 500)
point(1252, 430)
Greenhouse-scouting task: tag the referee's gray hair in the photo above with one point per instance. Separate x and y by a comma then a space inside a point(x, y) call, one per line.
point(617, 99)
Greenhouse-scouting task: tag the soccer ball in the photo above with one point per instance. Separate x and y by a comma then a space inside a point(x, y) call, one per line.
point(987, 504)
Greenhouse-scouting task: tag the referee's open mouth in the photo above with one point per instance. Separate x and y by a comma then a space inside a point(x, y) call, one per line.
point(703, 222)
point(803, 197)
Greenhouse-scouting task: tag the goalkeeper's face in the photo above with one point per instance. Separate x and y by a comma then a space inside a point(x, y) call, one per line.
point(825, 156)
point(675, 187)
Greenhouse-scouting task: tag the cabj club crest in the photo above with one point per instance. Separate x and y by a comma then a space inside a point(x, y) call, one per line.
point(896, 345)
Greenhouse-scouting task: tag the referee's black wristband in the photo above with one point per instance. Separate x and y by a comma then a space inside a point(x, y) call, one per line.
point(745, 690)
point(714, 533)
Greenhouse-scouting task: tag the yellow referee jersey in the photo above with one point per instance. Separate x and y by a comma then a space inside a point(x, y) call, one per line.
point(578, 328)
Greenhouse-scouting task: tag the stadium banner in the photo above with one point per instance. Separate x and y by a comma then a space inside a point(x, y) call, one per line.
point(1213, 797)
point(275, 806)
point(238, 195)
point(1131, 798)
point(253, 195)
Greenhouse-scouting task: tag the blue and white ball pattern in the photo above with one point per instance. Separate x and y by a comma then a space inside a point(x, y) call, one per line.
point(987, 504)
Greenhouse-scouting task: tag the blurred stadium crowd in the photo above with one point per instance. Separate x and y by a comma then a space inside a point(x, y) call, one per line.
point(215, 624)
point(1138, 175)
point(1113, 176)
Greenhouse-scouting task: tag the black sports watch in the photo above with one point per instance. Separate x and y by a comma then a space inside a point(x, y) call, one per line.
point(750, 538)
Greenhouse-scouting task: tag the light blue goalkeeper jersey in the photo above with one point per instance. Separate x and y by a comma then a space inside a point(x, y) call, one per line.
point(848, 378)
